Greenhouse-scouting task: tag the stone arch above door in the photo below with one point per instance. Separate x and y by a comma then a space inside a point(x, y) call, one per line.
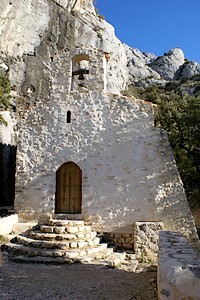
point(68, 189)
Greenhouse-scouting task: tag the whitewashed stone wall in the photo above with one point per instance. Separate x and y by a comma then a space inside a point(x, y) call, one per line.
point(129, 173)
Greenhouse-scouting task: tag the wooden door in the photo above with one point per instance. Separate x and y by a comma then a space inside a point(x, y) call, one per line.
point(68, 189)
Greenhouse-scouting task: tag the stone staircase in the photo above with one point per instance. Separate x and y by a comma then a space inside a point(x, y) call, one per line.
point(63, 241)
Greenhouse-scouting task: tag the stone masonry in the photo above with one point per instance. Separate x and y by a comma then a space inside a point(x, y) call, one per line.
point(69, 68)
point(146, 240)
point(178, 268)
point(129, 173)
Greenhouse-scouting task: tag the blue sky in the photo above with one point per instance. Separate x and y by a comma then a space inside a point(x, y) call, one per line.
point(156, 25)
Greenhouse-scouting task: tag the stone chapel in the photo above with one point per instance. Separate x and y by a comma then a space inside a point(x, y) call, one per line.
point(84, 151)
point(89, 154)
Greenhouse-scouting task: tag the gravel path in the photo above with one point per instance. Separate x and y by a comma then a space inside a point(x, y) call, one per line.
point(91, 282)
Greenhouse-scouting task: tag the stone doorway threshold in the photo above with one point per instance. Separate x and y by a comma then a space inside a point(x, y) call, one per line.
point(68, 216)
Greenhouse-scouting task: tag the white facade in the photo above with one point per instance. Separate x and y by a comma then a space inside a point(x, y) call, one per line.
point(128, 170)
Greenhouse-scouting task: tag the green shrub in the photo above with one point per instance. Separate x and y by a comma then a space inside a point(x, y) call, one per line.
point(101, 17)
point(5, 90)
point(3, 121)
point(132, 90)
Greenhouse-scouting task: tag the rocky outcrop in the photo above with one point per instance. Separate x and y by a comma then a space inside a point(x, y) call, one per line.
point(188, 70)
point(137, 63)
point(147, 69)
point(22, 24)
point(168, 64)
point(33, 31)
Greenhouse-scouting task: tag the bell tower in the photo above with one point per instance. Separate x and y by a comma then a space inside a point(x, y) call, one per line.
point(88, 70)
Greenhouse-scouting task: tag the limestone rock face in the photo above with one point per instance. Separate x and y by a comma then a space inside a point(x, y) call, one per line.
point(76, 5)
point(22, 23)
point(135, 55)
point(41, 28)
point(188, 70)
point(147, 69)
point(138, 65)
point(168, 64)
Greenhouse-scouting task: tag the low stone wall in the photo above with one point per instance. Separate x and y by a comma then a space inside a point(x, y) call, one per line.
point(119, 240)
point(146, 239)
point(143, 240)
point(178, 268)
point(6, 224)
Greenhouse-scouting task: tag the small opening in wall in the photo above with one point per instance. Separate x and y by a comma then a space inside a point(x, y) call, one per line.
point(80, 72)
point(69, 116)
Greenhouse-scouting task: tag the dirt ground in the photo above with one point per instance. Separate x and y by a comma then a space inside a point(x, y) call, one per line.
point(92, 282)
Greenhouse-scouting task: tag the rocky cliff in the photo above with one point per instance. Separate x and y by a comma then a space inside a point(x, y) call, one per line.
point(32, 32)
point(147, 69)
point(41, 28)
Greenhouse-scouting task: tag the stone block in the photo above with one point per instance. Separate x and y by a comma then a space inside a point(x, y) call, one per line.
point(127, 246)
point(178, 268)
point(47, 229)
point(93, 234)
point(73, 245)
point(60, 229)
point(128, 239)
point(118, 236)
point(71, 229)
point(81, 244)
point(91, 243)
point(126, 235)
point(146, 236)
point(81, 228)
point(121, 240)
point(80, 235)
point(87, 228)
point(7, 223)
point(23, 227)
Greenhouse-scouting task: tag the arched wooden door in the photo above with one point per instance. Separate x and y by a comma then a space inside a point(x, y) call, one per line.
point(68, 189)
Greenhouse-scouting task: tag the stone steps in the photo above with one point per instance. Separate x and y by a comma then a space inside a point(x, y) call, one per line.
point(61, 222)
point(26, 241)
point(65, 229)
point(62, 237)
point(62, 241)
point(69, 217)
point(100, 251)
point(112, 259)
point(40, 259)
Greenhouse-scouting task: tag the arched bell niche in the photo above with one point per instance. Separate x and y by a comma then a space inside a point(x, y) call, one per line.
point(80, 72)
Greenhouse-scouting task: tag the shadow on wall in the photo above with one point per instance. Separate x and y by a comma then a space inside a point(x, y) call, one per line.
point(7, 174)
